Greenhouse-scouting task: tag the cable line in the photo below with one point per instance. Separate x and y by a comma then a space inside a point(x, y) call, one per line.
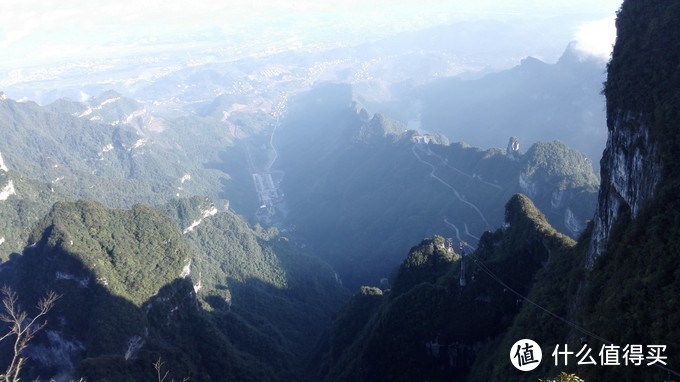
point(577, 327)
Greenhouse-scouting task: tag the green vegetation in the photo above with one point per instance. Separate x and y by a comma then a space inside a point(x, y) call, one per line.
point(59, 153)
point(360, 192)
point(641, 87)
point(428, 327)
point(349, 322)
point(563, 377)
point(132, 252)
point(632, 295)
point(634, 289)
point(221, 302)
point(191, 283)
point(560, 166)
point(261, 302)
point(271, 300)
point(118, 272)
point(557, 286)
point(95, 156)
point(377, 129)
point(427, 262)
point(31, 201)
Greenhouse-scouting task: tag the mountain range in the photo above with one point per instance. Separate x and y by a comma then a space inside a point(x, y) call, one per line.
point(186, 281)
point(532, 101)
point(355, 181)
point(217, 233)
point(248, 288)
point(453, 315)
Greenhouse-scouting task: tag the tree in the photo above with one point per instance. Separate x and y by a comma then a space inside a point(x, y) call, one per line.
point(22, 328)
point(563, 377)
point(158, 365)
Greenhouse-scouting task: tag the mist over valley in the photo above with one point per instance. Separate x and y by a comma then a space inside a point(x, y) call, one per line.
point(303, 192)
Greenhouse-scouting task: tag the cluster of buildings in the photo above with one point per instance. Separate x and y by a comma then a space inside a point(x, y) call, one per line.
point(269, 195)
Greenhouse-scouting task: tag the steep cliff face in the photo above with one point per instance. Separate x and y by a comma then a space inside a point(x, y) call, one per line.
point(628, 296)
point(630, 173)
point(641, 92)
point(633, 287)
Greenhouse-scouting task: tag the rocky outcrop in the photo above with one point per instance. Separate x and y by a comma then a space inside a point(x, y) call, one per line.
point(641, 91)
point(513, 148)
point(630, 173)
point(3, 167)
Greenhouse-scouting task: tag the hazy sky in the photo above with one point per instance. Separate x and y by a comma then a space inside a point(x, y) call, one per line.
point(37, 33)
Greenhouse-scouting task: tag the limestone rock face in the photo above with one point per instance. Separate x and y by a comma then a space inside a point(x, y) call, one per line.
point(630, 173)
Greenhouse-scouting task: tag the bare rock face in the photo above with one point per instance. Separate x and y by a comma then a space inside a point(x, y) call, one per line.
point(513, 148)
point(630, 173)
point(642, 92)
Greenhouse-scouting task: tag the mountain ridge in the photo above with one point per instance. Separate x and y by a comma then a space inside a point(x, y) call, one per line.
point(429, 324)
point(400, 185)
point(134, 287)
point(616, 285)
point(534, 101)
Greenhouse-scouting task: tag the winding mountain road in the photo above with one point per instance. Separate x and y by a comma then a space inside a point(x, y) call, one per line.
point(467, 232)
point(445, 163)
point(455, 192)
point(453, 226)
point(269, 165)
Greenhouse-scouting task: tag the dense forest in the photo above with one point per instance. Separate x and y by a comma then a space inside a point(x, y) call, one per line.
point(617, 285)
point(145, 228)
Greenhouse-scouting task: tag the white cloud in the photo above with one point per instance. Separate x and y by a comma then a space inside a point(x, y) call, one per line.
point(32, 31)
point(597, 37)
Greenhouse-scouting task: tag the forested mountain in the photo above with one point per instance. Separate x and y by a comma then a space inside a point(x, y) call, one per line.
point(637, 223)
point(269, 297)
point(125, 298)
point(616, 286)
point(441, 310)
point(257, 303)
point(111, 149)
point(129, 210)
point(22, 202)
point(361, 189)
point(188, 280)
point(217, 302)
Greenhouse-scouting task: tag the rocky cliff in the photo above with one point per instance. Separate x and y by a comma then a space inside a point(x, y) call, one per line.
point(637, 224)
point(640, 92)
point(617, 285)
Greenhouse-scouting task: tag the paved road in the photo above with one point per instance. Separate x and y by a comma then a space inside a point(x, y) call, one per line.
point(453, 226)
point(455, 192)
point(269, 165)
point(467, 232)
point(445, 163)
